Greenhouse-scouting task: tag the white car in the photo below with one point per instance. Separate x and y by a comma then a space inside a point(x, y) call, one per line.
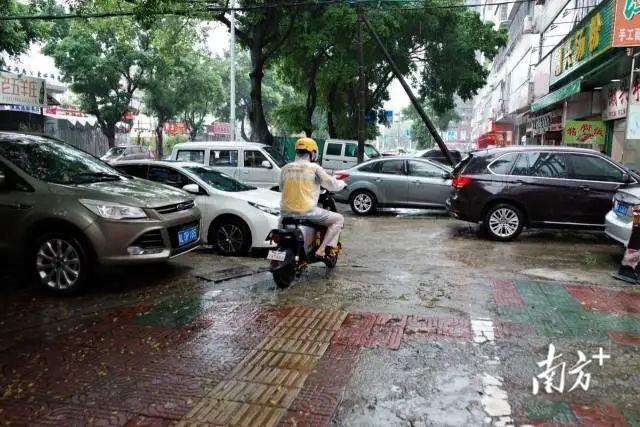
point(235, 216)
point(619, 220)
point(252, 163)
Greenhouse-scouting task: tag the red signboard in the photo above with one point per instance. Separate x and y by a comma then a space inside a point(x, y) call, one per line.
point(221, 128)
point(176, 128)
point(626, 25)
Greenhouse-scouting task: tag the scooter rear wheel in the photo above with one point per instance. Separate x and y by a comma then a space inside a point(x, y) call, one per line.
point(284, 276)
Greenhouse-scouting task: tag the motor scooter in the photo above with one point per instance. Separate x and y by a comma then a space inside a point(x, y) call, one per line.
point(297, 242)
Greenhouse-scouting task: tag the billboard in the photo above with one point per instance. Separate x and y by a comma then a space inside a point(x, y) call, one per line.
point(22, 90)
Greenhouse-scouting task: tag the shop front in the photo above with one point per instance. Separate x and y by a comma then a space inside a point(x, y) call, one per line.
point(589, 83)
point(545, 128)
point(500, 135)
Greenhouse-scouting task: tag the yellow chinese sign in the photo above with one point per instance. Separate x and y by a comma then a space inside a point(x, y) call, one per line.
point(590, 38)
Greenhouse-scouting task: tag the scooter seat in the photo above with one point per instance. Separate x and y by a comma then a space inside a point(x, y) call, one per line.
point(297, 221)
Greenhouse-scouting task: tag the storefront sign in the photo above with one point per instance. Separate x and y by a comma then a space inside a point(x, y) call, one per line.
point(175, 128)
point(59, 111)
point(626, 26)
point(22, 108)
point(22, 90)
point(633, 119)
point(550, 122)
point(583, 132)
point(221, 128)
point(615, 97)
point(591, 38)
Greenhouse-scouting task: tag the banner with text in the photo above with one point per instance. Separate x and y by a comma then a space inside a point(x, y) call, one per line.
point(22, 90)
point(583, 132)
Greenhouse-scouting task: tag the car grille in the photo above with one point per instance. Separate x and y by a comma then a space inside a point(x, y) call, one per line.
point(175, 208)
point(149, 240)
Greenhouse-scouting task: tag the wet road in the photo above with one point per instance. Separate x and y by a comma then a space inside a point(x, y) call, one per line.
point(423, 322)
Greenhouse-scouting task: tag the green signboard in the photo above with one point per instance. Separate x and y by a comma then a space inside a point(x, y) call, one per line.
point(583, 132)
point(556, 96)
point(591, 38)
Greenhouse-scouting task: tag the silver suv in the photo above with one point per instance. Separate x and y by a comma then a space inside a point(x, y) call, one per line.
point(127, 152)
point(63, 210)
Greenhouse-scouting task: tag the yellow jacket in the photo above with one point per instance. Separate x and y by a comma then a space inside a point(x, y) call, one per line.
point(300, 183)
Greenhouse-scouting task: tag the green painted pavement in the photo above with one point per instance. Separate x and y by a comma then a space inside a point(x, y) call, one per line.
point(553, 311)
point(544, 410)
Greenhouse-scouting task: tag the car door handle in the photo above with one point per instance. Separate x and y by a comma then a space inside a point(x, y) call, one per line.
point(378, 180)
point(585, 188)
point(345, 161)
point(519, 181)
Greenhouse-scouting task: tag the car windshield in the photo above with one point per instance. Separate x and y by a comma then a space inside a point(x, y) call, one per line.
point(277, 157)
point(218, 180)
point(54, 162)
point(370, 151)
point(115, 152)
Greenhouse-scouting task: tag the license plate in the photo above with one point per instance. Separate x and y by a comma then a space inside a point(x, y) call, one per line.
point(276, 255)
point(621, 209)
point(187, 235)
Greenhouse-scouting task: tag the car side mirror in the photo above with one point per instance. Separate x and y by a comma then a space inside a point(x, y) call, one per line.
point(445, 175)
point(266, 164)
point(626, 178)
point(3, 180)
point(192, 188)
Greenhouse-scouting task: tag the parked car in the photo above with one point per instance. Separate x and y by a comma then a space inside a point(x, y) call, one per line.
point(63, 210)
point(235, 216)
point(254, 164)
point(436, 155)
point(619, 219)
point(395, 182)
point(536, 186)
point(128, 152)
point(339, 154)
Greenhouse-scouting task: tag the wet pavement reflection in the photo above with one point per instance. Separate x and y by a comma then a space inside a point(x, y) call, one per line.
point(423, 322)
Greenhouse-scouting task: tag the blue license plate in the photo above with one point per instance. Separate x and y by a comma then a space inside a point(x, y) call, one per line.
point(621, 209)
point(187, 235)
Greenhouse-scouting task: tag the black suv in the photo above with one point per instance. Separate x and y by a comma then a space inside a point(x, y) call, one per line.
point(536, 186)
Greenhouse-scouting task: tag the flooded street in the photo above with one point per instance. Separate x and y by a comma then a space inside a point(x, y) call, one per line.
point(423, 322)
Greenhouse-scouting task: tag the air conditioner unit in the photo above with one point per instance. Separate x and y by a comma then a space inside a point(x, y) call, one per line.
point(504, 24)
point(529, 25)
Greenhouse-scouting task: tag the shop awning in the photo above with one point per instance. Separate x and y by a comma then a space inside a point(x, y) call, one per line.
point(557, 95)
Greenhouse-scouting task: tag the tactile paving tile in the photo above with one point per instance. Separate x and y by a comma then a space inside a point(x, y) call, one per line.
point(266, 382)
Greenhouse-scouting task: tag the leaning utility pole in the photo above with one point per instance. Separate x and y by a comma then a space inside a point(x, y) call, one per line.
point(407, 89)
point(362, 92)
point(232, 71)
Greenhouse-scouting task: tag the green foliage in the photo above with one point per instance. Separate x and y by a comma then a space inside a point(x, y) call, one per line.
point(105, 61)
point(15, 36)
point(419, 132)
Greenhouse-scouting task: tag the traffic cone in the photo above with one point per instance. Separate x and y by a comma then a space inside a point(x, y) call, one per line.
point(628, 270)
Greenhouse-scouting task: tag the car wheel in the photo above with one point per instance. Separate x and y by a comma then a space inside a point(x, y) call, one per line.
point(503, 222)
point(231, 237)
point(61, 263)
point(362, 202)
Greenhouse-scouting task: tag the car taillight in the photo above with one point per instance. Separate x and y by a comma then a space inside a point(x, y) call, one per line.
point(341, 175)
point(461, 181)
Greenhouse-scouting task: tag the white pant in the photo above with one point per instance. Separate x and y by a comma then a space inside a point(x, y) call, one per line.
point(332, 220)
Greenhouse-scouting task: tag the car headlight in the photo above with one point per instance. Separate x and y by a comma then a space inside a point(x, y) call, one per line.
point(267, 209)
point(112, 210)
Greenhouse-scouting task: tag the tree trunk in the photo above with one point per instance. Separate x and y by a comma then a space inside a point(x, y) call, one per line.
point(312, 96)
point(331, 126)
point(159, 141)
point(193, 131)
point(109, 130)
point(259, 129)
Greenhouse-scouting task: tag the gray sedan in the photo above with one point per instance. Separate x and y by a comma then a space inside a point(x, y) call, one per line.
point(406, 182)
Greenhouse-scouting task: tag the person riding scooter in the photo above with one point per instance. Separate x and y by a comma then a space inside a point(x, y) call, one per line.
point(300, 182)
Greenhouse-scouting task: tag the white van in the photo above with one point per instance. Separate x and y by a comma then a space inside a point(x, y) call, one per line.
point(249, 162)
point(340, 154)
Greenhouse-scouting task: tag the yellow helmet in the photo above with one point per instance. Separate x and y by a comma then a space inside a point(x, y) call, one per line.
point(307, 144)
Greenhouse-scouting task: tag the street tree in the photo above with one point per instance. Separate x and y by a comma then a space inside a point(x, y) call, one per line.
point(436, 46)
point(105, 61)
point(419, 132)
point(16, 35)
